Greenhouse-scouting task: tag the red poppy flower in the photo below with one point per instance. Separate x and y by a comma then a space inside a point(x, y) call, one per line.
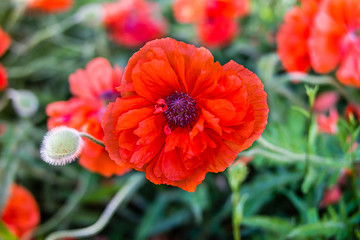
point(326, 100)
point(215, 19)
point(5, 41)
point(134, 22)
point(183, 114)
point(21, 212)
point(293, 35)
point(354, 110)
point(331, 196)
point(335, 40)
point(93, 88)
point(187, 11)
point(3, 78)
point(328, 124)
point(49, 6)
point(217, 31)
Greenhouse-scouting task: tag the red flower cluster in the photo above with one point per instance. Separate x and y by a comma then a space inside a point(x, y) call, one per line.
point(4, 45)
point(21, 212)
point(134, 22)
point(324, 35)
point(49, 6)
point(92, 88)
point(182, 114)
point(215, 20)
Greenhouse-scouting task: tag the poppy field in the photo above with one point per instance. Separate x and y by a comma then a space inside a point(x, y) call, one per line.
point(179, 119)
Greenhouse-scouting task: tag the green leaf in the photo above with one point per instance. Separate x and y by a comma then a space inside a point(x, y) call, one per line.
point(273, 224)
point(5, 233)
point(301, 110)
point(319, 229)
point(309, 180)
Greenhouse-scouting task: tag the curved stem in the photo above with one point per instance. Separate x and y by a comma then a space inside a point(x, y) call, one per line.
point(317, 80)
point(93, 139)
point(68, 208)
point(130, 186)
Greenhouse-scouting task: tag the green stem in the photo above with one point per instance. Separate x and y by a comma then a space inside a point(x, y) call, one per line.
point(131, 185)
point(93, 139)
point(68, 208)
point(315, 80)
point(236, 221)
point(291, 158)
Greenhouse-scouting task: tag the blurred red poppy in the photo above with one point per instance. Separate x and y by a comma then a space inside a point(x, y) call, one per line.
point(215, 20)
point(354, 110)
point(331, 196)
point(293, 35)
point(328, 124)
point(3, 78)
point(134, 22)
point(5, 42)
point(183, 115)
point(21, 212)
point(335, 40)
point(49, 6)
point(92, 88)
point(326, 100)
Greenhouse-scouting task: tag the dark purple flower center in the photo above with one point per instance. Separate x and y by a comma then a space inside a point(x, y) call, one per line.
point(181, 110)
point(109, 96)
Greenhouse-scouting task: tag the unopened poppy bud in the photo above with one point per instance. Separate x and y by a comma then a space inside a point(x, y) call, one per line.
point(25, 103)
point(237, 175)
point(61, 145)
point(90, 14)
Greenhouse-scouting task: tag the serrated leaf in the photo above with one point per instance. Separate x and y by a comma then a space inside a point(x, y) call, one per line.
point(319, 229)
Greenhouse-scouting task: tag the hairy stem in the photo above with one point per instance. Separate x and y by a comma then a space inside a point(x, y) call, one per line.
point(93, 139)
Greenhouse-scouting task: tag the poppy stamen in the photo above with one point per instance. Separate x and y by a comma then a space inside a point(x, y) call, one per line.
point(181, 110)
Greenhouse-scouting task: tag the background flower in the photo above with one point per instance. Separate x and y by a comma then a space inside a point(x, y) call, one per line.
point(49, 6)
point(21, 212)
point(187, 115)
point(335, 40)
point(134, 22)
point(215, 20)
point(292, 37)
point(92, 88)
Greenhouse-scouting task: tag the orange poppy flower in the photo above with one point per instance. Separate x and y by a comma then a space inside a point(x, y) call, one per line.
point(292, 37)
point(182, 114)
point(215, 19)
point(49, 6)
point(21, 212)
point(93, 88)
point(134, 22)
point(335, 40)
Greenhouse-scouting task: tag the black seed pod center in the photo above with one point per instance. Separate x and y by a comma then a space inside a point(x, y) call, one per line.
point(181, 110)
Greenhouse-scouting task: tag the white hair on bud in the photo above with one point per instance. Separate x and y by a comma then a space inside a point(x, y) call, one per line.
point(61, 145)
